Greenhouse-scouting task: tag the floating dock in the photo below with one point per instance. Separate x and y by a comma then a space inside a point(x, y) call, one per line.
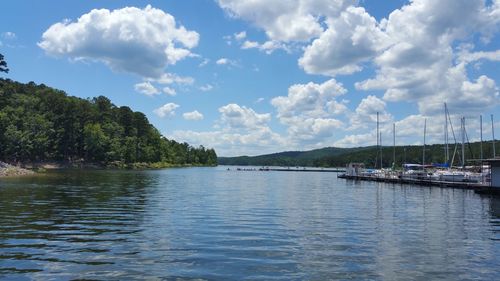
point(424, 182)
point(297, 169)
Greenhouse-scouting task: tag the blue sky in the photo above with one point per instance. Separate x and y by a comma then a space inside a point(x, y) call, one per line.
point(253, 77)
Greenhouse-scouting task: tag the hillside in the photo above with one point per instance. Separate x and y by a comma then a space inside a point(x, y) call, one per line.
point(339, 157)
point(289, 158)
point(42, 124)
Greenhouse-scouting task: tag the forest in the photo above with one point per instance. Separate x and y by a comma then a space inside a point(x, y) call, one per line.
point(41, 124)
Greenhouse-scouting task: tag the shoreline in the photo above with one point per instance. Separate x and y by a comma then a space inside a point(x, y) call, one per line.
point(28, 169)
point(8, 170)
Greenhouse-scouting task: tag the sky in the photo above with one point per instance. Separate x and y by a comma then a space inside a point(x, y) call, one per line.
point(249, 77)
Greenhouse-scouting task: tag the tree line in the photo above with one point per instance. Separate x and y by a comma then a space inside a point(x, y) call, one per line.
point(371, 156)
point(40, 124)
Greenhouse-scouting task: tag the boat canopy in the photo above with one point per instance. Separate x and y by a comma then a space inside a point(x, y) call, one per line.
point(441, 165)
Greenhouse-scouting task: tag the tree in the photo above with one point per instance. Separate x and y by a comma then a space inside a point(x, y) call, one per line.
point(3, 65)
point(38, 123)
point(95, 142)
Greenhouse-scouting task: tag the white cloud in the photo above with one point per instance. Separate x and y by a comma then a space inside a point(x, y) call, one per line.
point(141, 41)
point(225, 61)
point(193, 116)
point(239, 130)
point(350, 39)
point(250, 44)
point(286, 20)
point(308, 99)
point(230, 143)
point(240, 35)
point(267, 47)
point(259, 100)
point(146, 88)
point(170, 78)
point(356, 140)
point(421, 64)
point(309, 110)
point(169, 91)
point(166, 110)
point(468, 57)
point(240, 117)
point(222, 61)
point(366, 113)
point(206, 88)
point(414, 51)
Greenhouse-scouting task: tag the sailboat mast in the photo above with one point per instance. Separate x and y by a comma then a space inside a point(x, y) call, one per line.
point(493, 135)
point(481, 134)
point(378, 141)
point(423, 152)
point(447, 150)
point(381, 150)
point(463, 142)
point(393, 144)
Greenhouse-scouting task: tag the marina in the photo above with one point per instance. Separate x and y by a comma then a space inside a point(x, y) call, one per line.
point(291, 169)
point(483, 176)
point(416, 181)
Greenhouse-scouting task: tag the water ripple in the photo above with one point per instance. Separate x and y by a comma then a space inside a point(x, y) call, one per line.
point(210, 224)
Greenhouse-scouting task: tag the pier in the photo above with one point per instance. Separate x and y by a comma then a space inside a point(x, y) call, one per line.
point(423, 182)
point(288, 169)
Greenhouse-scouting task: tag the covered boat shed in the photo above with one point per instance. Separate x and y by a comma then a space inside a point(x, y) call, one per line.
point(494, 164)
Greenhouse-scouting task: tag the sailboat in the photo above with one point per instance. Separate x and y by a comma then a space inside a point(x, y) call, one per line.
point(455, 175)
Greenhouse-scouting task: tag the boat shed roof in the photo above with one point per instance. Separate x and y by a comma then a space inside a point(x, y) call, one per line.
point(494, 162)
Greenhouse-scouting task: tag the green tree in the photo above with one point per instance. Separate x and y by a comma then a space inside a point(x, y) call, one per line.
point(3, 65)
point(96, 142)
point(38, 123)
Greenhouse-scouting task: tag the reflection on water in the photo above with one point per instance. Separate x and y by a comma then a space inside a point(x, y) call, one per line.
point(212, 224)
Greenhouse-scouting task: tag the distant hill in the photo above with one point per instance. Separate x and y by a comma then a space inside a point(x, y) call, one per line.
point(339, 157)
point(289, 158)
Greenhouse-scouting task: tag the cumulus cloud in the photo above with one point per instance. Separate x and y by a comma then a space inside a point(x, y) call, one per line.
point(309, 110)
point(365, 114)
point(193, 116)
point(229, 143)
point(413, 51)
point(140, 41)
point(286, 20)
point(350, 39)
point(235, 116)
point(239, 130)
point(166, 110)
point(146, 88)
point(421, 64)
point(311, 99)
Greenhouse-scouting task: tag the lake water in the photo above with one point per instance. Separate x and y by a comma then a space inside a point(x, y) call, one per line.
point(213, 224)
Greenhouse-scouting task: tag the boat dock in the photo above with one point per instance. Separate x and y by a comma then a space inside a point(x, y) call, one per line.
point(423, 182)
point(290, 169)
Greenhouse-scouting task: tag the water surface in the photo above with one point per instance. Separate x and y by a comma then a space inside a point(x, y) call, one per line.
point(213, 224)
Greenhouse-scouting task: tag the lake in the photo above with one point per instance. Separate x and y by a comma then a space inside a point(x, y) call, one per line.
point(214, 224)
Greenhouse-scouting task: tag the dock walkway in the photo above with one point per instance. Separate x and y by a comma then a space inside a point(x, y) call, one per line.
point(424, 182)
